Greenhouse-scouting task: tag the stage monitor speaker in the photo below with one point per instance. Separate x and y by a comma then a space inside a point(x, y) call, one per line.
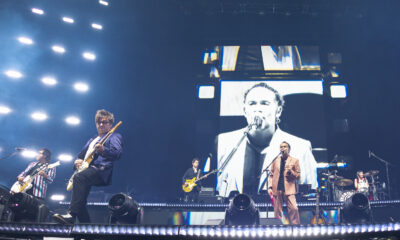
point(206, 191)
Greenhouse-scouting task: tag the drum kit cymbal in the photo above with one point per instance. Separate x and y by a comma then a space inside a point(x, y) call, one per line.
point(338, 186)
point(371, 173)
point(344, 182)
point(338, 180)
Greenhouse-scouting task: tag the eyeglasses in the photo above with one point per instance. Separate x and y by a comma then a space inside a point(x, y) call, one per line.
point(103, 122)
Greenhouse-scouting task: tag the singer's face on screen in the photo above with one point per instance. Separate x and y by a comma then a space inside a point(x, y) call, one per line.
point(262, 102)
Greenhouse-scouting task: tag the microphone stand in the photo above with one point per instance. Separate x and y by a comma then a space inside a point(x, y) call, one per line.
point(266, 179)
point(234, 149)
point(9, 155)
point(387, 170)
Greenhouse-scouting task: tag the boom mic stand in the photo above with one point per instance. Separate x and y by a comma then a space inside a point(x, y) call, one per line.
point(387, 170)
point(10, 155)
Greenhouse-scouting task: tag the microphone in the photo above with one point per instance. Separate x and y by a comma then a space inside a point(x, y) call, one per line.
point(369, 153)
point(257, 122)
point(19, 149)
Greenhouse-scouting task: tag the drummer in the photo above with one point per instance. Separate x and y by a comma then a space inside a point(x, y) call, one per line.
point(361, 183)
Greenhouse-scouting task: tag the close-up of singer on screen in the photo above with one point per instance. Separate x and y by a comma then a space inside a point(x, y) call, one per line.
point(245, 154)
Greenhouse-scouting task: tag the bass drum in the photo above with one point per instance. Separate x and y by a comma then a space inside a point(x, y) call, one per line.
point(346, 195)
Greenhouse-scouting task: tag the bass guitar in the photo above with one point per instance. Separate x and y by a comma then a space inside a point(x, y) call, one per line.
point(318, 218)
point(86, 162)
point(191, 183)
point(26, 184)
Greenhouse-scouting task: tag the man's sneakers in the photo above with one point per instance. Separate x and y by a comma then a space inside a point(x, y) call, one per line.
point(64, 219)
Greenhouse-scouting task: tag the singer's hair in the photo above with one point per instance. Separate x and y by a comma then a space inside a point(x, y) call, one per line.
point(358, 173)
point(287, 144)
point(195, 159)
point(278, 97)
point(104, 114)
point(46, 153)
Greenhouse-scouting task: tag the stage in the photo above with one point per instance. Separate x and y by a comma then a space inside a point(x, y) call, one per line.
point(186, 221)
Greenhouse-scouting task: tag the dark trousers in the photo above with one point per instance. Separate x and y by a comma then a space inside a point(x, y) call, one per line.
point(83, 182)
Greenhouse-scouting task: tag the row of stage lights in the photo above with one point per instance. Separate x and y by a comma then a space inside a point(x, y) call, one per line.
point(70, 20)
point(41, 116)
point(57, 48)
point(344, 231)
point(48, 80)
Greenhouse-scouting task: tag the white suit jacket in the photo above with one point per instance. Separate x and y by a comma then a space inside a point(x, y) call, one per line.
point(231, 178)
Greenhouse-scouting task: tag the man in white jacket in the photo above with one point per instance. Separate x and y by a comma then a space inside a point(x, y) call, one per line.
point(263, 106)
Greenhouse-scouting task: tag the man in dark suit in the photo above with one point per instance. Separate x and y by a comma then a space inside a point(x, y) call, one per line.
point(98, 173)
point(285, 171)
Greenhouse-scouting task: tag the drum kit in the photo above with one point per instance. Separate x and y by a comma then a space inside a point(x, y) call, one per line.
point(340, 188)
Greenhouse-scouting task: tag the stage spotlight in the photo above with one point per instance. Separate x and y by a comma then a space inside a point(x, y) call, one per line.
point(65, 157)
point(39, 116)
point(57, 197)
point(27, 207)
point(25, 40)
point(50, 81)
point(338, 91)
point(58, 49)
point(123, 209)
point(356, 209)
point(72, 120)
point(29, 153)
point(38, 11)
point(102, 2)
point(13, 74)
point(81, 87)
point(4, 110)
point(242, 211)
point(97, 26)
point(68, 20)
point(89, 56)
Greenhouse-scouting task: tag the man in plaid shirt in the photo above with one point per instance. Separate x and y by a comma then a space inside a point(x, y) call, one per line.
point(43, 178)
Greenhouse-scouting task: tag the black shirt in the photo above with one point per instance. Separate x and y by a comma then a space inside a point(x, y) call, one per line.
point(190, 174)
point(253, 163)
point(281, 183)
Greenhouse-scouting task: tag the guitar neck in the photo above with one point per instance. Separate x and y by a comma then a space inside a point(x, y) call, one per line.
point(204, 176)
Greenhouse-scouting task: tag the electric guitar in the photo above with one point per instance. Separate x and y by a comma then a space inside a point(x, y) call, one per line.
point(86, 162)
point(26, 184)
point(191, 183)
point(318, 218)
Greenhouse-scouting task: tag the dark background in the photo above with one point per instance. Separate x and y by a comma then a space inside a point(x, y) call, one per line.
point(148, 67)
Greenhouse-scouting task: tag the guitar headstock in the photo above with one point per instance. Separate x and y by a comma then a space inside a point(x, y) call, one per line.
point(53, 165)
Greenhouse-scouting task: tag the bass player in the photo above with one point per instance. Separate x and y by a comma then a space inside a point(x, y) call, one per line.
point(99, 171)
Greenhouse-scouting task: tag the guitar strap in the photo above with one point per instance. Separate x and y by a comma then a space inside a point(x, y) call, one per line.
point(34, 168)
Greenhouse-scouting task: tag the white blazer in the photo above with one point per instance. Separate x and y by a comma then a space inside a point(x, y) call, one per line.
point(231, 178)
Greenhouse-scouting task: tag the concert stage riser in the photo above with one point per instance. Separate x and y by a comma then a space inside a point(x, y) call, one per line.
point(199, 214)
point(98, 231)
